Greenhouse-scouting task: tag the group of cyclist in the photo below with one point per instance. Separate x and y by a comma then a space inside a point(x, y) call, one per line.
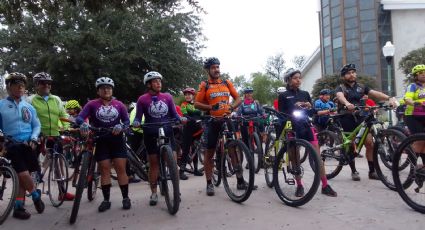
point(24, 119)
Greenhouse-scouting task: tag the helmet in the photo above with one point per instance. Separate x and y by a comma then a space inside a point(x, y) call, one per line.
point(150, 76)
point(15, 77)
point(347, 68)
point(211, 61)
point(72, 104)
point(417, 69)
point(104, 81)
point(281, 89)
point(248, 89)
point(189, 90)
point(42, 76)
point(289, 73)
point(325, 91)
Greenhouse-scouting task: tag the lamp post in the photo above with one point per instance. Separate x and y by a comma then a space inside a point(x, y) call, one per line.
point(388, 50)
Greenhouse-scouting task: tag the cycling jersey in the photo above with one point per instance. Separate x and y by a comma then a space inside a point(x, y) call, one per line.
point(49, 112)
point(217, 92)
point(19, 120)
point(415, 92)
point(250, 108)
point(320, 105)
point(104, 116)
point(189, 109)
point(132, 116)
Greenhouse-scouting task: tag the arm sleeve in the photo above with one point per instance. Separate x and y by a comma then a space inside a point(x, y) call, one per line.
point(35, 124)
point(367, 90)
point(124, 115)
point(84, 114)
point(280, 103)
point(318, 105)
point(62, 114)
point(200, 96)
point(232, 90)
point(183, 108)
point(172, 106)
point(139, 111)
point(338, 89)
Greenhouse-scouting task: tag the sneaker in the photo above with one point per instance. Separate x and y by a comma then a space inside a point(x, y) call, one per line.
point(39, 205)
point(328, 191)
point(21, 213)
point(153, 199)
point(373, 176)
point(355, 176)
point(126, 203)
point(300, 191)
point(183, 176)
point(67, 197)
point(133, 180)
point(105, 205)
point(198, 173)
point(244, 186)
point(210, 189)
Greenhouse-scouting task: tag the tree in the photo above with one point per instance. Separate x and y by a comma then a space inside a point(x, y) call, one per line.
point(298, 61)
point(334, 80)
point(265, 88)
point(79, 41)
point(414, 57)
point(240, 83)
point(276, 66)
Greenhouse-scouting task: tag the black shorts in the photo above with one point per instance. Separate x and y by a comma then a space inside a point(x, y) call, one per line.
point(350, 122)
point(415, 124)
point(110, 147)
point(23, 158)
point(302, 129)
point(150, 141)
point(214, 128)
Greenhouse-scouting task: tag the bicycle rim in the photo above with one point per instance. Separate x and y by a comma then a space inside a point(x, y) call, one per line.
point(82, 181)
point(9, 190)
point(93, 179)
point(170, 180)
point(57, 183)
point(330, 155)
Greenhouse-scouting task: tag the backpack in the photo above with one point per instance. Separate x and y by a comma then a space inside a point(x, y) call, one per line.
point(207, 84)
point(340, 106)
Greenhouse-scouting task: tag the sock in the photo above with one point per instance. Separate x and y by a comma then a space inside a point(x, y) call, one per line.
point(324, 181)
point(106, 190)
point(371, 167)
point(35, 195)
point(19, 202)
point(124, 191)
point(299, 182)
point(209, 182)
point(353, 167)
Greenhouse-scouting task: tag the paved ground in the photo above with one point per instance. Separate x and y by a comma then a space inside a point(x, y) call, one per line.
point(359, 205)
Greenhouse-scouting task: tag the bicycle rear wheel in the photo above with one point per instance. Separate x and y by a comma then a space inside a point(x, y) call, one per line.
point(330, 153)
point(289, 173)
point(268, 160)
point(216, 175)
point(169, 179)
point(8, 190)
point(410, 180)
point(233, 172)
point(82, 182)
point(57, 183)
point(257, 149)
point(93, 179)
point(137, 165)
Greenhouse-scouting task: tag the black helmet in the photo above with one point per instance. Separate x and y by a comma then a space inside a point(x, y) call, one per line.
point(15, 77)
point(347, 68)
point(211, 61)
point(325, 91)
point(289, 73)
point(42, 76)
point(248, 89)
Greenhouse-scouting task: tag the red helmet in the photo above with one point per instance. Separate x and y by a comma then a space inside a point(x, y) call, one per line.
point(189, 90)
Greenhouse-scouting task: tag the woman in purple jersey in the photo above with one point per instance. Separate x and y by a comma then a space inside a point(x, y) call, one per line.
point(107, 112)
point(156, 107)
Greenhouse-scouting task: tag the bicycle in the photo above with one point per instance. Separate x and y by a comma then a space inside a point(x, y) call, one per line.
point(138, 161)
point(289, 171)
point(9, 185)
point(409, 180)
point(271, 148)
point(197, 148)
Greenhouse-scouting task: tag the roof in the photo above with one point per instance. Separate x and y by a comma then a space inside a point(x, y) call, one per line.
point(311, 60)
point(403, 4)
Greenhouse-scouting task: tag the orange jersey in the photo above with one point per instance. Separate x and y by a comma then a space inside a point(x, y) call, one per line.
point(217, 92)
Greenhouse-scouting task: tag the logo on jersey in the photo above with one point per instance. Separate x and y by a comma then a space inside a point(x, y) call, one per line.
point(26, 115)
point(359, 89)
point(158, 109)
point(219, 94)
point(421, 95)
point(107, 113)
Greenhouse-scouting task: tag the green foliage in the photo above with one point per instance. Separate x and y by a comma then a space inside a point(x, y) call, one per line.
point(79, 41)
point(276, 66)
point(413, 58)
point(334, 80)
point(265, 88)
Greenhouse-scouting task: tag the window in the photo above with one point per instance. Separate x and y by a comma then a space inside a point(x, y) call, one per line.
point(336, 31)
point(350, 3)
point(367, 15)
point(336, 22)
point(335, 3)
point(335, 11)
point(369, 59)
point(353, 55)
point(325, 11)
point(350, 12)
point(367, 25)
point(367, 4)
point(369, 37)
point(327, 41)
point(325, 2)
point(351, 23)
point(326, 21)
point(351, 34)
point(371, 70)
point(337, 43)
point(352, 44)
point(369, 48)
point(326, 31)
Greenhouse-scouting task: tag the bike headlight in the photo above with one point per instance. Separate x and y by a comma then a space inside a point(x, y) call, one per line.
point(297, 114)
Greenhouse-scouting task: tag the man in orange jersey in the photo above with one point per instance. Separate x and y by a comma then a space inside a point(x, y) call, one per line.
point(214, 97)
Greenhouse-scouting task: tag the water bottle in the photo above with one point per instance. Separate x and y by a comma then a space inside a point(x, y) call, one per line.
point(359, 135)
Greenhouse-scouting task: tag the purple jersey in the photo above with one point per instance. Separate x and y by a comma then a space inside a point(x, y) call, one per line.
point(104, 116)
point(156, 108)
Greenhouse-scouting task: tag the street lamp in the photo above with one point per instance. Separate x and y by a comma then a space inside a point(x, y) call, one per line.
point(388, 50)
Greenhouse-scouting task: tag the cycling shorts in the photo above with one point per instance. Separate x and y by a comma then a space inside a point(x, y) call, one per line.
point(110, 147)
point(416, 124)
point(23, 158)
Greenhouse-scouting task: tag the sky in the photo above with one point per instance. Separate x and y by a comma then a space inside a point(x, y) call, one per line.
point(244, 33)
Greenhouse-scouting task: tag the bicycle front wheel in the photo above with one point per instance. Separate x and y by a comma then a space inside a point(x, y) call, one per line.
point(295, 181)
point(257, 150)
point(57, 183)
point(409, 180)
point(93, 179)
point(82, 182)
point(8, 190)
point(238, 182)
point(268, 160)
point(330, 152)
point(169, 180)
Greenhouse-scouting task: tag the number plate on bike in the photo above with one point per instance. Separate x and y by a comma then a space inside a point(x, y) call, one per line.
point(288, 125)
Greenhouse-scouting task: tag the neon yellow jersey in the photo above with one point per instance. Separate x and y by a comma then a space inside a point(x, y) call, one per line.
point(416, 93)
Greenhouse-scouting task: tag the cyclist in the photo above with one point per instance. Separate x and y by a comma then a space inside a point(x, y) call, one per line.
point(289, 101)
point(135, 141)
point(414, 99)
point(155, 107)
point(191, 128)
point(213, 96)
point(350, 94)
point(73, 108)
point(107, 112)
point(324, 108)
point(19, 120)
point(50, 111)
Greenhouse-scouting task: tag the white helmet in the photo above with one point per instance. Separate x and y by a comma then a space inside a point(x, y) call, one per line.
point(281, 89)
point(104, 81)
point(150, 76)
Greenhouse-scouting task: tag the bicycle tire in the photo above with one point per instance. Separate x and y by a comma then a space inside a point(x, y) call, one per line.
point(332, 140)
point(225, 166)
point(62, 184)
point(257, 152)
point(137, 165)
point(82, 181)
point(380, 155)
point(313, 162)
point(93, 180)
point(216, 174)
point(268, 161)
point(168, 169)
point(401, 187)
point(15, 184)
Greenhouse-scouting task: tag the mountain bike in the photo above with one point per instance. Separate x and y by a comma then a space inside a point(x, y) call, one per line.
point(138, 160)
point(9, 183)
